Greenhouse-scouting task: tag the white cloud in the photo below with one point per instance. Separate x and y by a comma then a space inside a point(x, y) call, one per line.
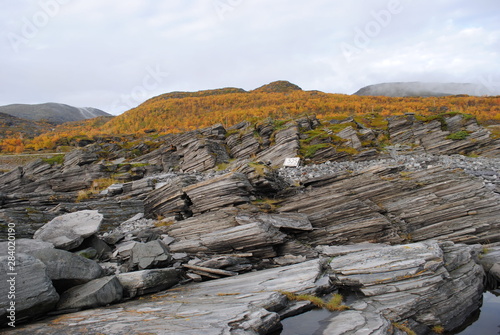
point(92, 52)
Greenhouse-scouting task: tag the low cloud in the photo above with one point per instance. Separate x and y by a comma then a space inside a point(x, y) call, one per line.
point(91, 53)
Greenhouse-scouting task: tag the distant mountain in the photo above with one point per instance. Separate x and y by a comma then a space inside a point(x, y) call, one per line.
point(11, 126)
point(420, 89)
point(53, 113)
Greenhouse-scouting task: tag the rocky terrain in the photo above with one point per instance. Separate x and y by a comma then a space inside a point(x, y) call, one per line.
point(219, 232)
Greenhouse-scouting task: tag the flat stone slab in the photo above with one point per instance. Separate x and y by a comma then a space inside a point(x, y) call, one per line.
point(244, 304)
point(428, 282)
point(98, 292)
point(148, 281)
point(69, 230)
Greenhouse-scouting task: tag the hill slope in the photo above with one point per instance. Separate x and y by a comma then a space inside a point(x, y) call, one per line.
point(420, 89)
point(11, 125)
point(184, 111)
point(53, 113)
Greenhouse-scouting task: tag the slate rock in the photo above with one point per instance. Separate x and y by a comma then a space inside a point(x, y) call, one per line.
point(495, 272)
point(203, 155)
point(295, 221)
point(490, 260)
point(150, 255)
point(79, 157)
point(286, 145)
point(102, 249)
point(98, 292)
point(220, 232)
point(12, 180)
point(227, 190)
point(385, 204)
point(490, 257)
point(434, 139)
point(430, 283)
point(351, 137)
point(74, 178)
point(66, 269)
point(25, 246)
point(244, 304)
point(170, 199)
point(34, 293)
point(69, 230)
point(147, 281)
point(263, 178)
point(243, 144)
point(113, 238)
point(124, 249)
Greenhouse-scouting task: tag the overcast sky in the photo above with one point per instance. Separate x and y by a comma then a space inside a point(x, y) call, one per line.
point(114, 54)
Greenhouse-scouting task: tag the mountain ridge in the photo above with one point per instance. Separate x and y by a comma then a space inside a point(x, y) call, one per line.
point(54, 113)
point(422, 89)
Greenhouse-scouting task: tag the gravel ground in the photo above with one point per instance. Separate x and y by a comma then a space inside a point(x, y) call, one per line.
point(487, 169)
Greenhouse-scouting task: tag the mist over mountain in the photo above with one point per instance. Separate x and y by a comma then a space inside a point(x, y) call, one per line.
point(423, 89)
point(53, 113)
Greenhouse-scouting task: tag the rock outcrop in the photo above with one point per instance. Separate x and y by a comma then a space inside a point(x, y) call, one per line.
point(422, 285)
point(247, 304)
point(427, 283)
point(237, 242)
point(386, 203)
point(225, 231)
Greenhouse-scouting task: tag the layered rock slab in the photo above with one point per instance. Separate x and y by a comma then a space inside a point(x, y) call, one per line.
point(427, 283)
point(226, 231)
point(148, 281)
point(245, 304)
point(384, 203)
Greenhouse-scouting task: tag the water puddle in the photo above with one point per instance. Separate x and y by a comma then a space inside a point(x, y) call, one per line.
point(487, 319)
point(308, 323)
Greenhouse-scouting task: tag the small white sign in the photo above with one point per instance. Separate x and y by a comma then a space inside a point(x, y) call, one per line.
point(292, 162)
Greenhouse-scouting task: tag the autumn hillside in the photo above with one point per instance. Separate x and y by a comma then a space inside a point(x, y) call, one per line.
point(183, 111)
point(188, 111)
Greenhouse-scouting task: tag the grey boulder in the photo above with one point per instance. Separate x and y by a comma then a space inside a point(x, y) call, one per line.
point(150, 255)
point(147, 281)
point(25, 246)
point(69, 230)
point(33, 290)
point(66, 268)
point(98, 292)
